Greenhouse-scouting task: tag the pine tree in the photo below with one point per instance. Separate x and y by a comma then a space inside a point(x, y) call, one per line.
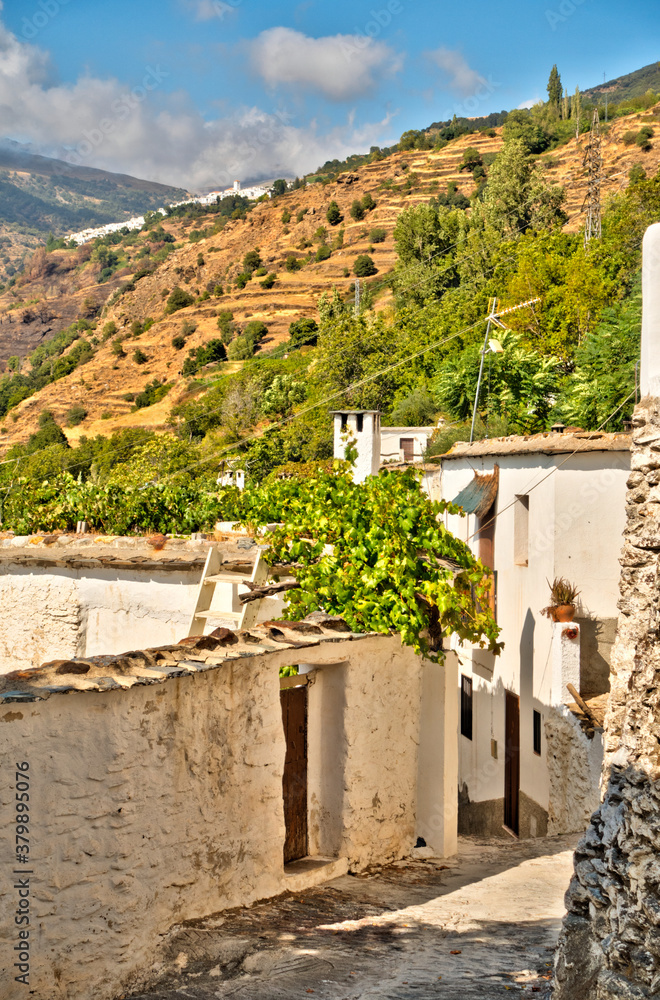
point(554, 89)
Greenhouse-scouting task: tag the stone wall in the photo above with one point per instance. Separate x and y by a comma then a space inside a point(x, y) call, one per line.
point(610, 944)
point(157, 801)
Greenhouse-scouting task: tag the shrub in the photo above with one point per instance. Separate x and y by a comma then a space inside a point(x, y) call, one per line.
point(346, 273)
point(303, 331)
point(151, 393)
point(333, 215)
point(109, 330)
point(357, 212)
point(213, 351)
point(368, 202)
point(139, 357)
point(251, 261)
point(226, 325)
point(188, 328)
point(179, 299)
point(363, 266)
point(320, 234)
point(301, 215)
point(378, 235)
point(218, 291)
point(268, 281)
point(338, 240)
point(260, 272)
point(75, 415)
point(242, 279)
point(286, 216)
point(117, 348)
point(200, 260)
point(293, 263)
point(323, 253)
point(178, 342)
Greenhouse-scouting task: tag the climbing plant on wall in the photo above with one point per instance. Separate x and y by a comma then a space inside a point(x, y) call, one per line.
point(378, 554)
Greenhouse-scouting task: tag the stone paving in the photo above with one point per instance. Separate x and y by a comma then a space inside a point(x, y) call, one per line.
point(482, 925)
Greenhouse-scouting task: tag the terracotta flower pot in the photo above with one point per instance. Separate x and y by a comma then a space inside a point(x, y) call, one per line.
point(564, 613)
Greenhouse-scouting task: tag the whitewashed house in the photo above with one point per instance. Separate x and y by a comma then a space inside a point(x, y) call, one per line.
point(537, 507)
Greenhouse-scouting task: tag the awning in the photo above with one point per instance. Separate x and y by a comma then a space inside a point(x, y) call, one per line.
point(479, 495)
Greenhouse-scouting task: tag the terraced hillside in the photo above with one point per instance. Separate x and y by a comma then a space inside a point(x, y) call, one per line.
point(62, 285)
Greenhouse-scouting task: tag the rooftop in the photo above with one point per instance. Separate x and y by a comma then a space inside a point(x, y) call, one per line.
point(157, 665)
point(541, 444)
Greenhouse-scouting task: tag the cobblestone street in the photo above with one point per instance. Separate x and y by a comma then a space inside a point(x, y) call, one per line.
point(482, 925)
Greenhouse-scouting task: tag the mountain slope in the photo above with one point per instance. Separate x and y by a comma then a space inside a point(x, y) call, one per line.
point(630, 85)
point(39, 195)
point(66, 283)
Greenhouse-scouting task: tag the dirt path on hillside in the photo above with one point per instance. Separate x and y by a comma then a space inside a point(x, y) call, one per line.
point(478, 927)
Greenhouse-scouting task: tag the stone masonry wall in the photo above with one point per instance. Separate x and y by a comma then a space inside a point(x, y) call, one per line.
point(610, 943)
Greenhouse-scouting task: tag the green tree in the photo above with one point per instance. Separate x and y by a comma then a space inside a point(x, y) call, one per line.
point(333, 215)
point(471, 159)
point(357, 212)
point(279, 187)
point(363, 266)
point(178, 299)
point(284, 392)
point(517, 195)
point(554, 89)
point(251, 260)
point(604, 375)
point(520, 385)
point(417, 409)
point(302, 332)
point(49, 433)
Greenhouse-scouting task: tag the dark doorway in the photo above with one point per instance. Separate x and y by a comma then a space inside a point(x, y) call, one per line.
point(512, 762)
point(294, 782)
point(407, 446)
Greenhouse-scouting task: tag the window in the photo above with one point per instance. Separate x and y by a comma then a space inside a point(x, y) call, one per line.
point(466, 706)
point(359, 422)
point(521, 531)
point(537, 733)
point(486, 537)
point(344, 421)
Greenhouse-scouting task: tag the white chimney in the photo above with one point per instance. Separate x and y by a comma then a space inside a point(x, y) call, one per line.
point(361, 427)
point(650, 360)
point(237, 186)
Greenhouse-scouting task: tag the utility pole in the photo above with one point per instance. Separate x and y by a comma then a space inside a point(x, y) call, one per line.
point(493, 317)
point(593, 163)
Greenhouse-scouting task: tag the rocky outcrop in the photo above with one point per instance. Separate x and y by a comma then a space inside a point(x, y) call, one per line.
point(610, 942)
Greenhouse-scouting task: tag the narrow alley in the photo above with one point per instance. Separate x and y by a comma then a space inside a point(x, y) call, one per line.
point(482, 925)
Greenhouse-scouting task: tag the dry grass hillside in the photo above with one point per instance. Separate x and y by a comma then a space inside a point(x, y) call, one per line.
point(63, 286)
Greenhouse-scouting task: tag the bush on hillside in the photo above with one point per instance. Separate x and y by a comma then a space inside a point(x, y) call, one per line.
point(333, 215)
point(378, 235)
point(179, 299)
point(363, 266)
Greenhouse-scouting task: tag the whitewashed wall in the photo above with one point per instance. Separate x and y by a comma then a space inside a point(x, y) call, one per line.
point(576, 520)
point(161, 803)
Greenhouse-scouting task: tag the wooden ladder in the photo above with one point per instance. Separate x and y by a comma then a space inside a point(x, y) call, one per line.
point(214, 574)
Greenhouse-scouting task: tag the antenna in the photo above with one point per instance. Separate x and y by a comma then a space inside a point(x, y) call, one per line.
point(593, 163)
point(493, 317)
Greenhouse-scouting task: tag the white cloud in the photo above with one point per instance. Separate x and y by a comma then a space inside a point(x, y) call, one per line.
point(340, 67)
point(528, 104)
point(145, 132)
point(206, 10)
point(463, 79)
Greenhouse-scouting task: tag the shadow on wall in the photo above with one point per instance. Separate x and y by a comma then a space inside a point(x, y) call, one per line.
point(610, 945)
point(596, 640)
point(573, 763)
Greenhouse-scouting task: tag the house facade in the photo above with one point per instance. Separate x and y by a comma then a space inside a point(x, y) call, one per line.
point(538, 507)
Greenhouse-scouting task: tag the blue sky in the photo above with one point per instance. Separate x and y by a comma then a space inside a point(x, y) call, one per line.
point(195, 92)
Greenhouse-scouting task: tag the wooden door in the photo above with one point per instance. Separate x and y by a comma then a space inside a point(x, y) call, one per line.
point(294, 782)
point(407, 446)
point(512, 761)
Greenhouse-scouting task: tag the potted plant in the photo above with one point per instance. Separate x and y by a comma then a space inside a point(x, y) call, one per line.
point(562, 600)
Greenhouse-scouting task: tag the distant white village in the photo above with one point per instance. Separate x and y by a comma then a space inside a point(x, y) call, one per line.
point(137, 222)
